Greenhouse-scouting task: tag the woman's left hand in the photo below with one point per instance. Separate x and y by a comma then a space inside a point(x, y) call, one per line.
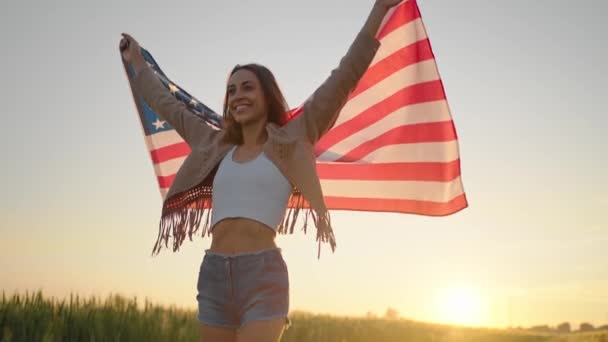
point(387, 3)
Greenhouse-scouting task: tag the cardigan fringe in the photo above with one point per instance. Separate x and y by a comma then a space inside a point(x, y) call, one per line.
point(185, 213)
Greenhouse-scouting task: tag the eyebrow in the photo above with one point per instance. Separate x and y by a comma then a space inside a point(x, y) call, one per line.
point(242, 83)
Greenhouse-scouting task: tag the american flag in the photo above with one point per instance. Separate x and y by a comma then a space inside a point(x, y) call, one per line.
point(394, 146)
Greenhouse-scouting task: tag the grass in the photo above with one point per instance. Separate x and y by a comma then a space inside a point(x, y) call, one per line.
point(32, 317)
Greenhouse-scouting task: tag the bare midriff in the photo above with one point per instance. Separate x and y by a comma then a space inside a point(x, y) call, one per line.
point(241, 235)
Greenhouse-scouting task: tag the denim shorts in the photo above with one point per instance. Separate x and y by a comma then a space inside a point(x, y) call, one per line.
point(236, 289)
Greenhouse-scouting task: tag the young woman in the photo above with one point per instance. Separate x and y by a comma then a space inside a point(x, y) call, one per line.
point(250, 170)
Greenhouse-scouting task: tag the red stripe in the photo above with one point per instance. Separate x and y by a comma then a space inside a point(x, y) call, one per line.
point(165, 181)
point(407, 134)
point(393, 205)
point(402, 15)
point(432, 172)
point(163, 154)
point(398, 205)
point(418, 93)
point(424, 171)
point(407, 55)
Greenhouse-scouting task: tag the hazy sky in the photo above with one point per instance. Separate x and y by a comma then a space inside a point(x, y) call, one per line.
point(80, 204)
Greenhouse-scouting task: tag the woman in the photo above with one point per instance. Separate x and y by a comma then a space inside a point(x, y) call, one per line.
point(250, 170)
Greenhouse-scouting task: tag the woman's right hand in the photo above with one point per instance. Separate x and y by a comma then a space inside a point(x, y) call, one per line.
point(131, 51)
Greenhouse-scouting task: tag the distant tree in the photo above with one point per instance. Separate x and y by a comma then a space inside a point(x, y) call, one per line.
point(370, 314)
point(586, 327)
point(391, 313)
point(563, 328)
point(603, 327)
point(541, 328)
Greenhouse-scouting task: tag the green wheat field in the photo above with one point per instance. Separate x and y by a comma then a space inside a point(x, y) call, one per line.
point(32, 317)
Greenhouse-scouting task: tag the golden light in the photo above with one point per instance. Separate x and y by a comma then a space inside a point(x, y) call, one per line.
point(460, 305)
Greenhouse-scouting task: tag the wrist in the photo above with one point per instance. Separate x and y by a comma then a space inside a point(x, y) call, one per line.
point(375, 18)
point(380, 7)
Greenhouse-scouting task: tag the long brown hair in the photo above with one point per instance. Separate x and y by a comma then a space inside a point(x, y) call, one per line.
point(277, 106)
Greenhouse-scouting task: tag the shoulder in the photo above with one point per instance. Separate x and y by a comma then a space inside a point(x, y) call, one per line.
point(216, 139)
point(287, 134)
point(295, 129)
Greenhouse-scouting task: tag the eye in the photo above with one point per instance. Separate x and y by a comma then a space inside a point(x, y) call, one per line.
point(231, 91)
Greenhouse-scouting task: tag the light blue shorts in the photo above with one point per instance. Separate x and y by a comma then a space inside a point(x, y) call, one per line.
point(236, 289)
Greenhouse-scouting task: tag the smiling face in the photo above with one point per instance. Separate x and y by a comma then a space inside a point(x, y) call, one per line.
point(252, 97)
point(245, 98)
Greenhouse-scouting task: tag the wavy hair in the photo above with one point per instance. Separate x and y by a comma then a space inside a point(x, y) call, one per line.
point(275, 101)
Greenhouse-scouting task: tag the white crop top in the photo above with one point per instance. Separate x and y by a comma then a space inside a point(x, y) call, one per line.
point(255, 189)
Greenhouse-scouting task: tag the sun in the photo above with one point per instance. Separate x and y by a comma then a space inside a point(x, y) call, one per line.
point(459, 305)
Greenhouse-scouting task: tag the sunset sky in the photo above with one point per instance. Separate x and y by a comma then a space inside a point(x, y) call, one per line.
point(80, 205)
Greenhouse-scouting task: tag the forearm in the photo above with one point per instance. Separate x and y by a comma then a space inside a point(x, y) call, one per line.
point(320, 111)
point(166, 106)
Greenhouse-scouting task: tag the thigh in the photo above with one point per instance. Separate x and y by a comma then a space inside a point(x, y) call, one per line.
point(269, 330)
point(209, 333)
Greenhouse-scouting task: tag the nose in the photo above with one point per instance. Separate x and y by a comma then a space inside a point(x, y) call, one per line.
point(237, 95)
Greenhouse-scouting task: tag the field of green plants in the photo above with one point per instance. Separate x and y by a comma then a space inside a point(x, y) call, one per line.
point(32, 317)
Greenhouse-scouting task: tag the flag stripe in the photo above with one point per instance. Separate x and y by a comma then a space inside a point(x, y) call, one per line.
point(405, 36)
point(437, 152)
point(163, 154)
point(416, 190)
point(419, 93)
point(418, 52)
point(433, 111)
point(411, 75)
point(434, 172)
point(404, 205)
point(169, 167)
point(165, 181)
point(163, 192)
point(403, 14)
point(427, 161)
point(418, 169)
point(162, 139)
point(426, 132)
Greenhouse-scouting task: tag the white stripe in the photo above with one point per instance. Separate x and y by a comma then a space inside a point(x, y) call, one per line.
point(441, 152)
point(405, 35)
point(163, 192)
point(409, 190)
point(162, 139)
point(424, 71)
point(169, 167)
point(426, 112)
point(386, 18)
point(435, 152)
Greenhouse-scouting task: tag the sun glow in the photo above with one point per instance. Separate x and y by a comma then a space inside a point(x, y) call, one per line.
point(459, 305)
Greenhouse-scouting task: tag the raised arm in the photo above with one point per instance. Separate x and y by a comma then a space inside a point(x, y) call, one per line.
point(187, 124)
point(320, 111)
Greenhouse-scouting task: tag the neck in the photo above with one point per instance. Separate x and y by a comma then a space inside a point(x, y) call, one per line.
point(254, 134)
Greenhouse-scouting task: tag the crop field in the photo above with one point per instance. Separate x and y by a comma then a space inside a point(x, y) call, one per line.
point(32, 317)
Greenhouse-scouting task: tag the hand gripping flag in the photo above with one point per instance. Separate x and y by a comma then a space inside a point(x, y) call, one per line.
point(393, 147)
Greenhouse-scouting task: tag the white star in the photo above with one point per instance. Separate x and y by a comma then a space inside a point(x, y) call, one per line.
point(173, 88)
point(193, 102)
point(159, 124)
